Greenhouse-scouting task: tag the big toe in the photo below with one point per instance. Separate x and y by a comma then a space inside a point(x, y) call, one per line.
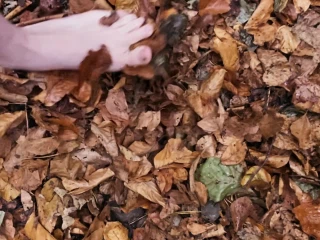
point(141, 55)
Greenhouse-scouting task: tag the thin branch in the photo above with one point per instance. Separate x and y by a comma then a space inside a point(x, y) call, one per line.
point(261, 166)
point(17, 10)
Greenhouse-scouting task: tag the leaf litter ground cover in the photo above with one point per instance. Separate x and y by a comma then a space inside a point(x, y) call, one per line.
point(217, 138)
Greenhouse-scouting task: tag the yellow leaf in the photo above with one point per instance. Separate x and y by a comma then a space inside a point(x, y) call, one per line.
point(7, 191)
point(115, 231)
point(35, 231)
point(261, 179)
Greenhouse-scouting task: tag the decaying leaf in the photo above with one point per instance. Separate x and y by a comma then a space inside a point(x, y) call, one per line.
point(213, 7)
point(301, 129)
point(220, 180)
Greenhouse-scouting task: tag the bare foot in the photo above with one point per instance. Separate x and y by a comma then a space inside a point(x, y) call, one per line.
point(64, 43)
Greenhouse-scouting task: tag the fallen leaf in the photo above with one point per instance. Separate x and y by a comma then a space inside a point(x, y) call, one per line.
point(35, 231)
point(234, 153)
point(10, 120)
point(227, 47)
point(105, 134)
point(288, 40)
point(76, 187)
point(258, 24)
point(149, 120)
point(7, 191)
point(274, 160)
point(146, 189)
point(219, 179)
point(302, 130)
point(173, 152)
point(201, 192)
point(261, 178)
point(115, 231)
point(42, 146)
point(213, 7)
point(241, 209)
point(308, 216)
point(207, 146)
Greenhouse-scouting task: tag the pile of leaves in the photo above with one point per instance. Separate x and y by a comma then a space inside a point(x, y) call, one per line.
point(217, 138)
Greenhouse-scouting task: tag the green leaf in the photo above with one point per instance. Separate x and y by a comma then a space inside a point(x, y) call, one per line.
point(219, 179)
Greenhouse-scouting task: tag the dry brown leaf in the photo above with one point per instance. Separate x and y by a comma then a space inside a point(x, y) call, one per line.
point(301, 5)
point(234, 153)
point(76, 187)
point(59, 84)
point(227, 47)
point(35, 231)
point(12, 97)
point(42, 146)
point(307, 96)
point(241, 209)
point(66, 167)
point(302, 130)
point(149, 120)
point(207, 146)
point(10, 120)
point(105, 134)
point(308, 216)
point(26, 200)
point(202, 192)
point(141, 148)
point(115, 231)
point(174, 152)
point(258, 24)
point(116, 108)
point(213, 7)
point(146, 189)
point(136, 166)
point(284, 141)
point(288, 40)
point(217, 231)
point(276, 161)
point(196, 228)
point(29, 175)
point(270, 124)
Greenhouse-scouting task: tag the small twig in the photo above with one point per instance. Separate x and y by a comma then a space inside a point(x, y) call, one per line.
point(138, 219)
point(186, 212)
point(48, 156)
point(17, 10)
point(261, 166)
point(27, 120)
point(42, 19)
point(12, 78)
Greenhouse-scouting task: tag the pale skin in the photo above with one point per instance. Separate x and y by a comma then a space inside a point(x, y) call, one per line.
point(62, 44)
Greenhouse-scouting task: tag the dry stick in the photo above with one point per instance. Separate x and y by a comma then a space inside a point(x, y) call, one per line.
point(17, 10)
point(42, 19)
point(261, 166)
